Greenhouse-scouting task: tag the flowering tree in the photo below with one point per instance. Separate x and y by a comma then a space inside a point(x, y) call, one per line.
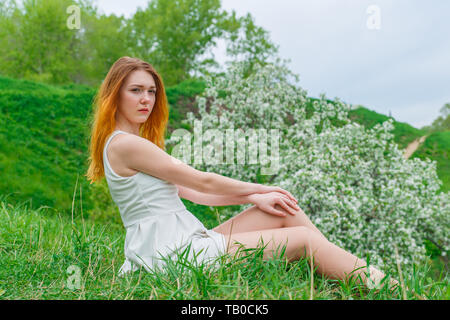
point(353, 183)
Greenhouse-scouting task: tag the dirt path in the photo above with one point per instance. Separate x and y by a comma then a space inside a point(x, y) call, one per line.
point(413, 147)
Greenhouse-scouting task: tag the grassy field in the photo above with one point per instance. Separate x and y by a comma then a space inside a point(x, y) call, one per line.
point(44, 255)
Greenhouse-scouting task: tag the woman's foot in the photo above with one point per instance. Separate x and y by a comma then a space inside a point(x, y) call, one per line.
point(375, 278)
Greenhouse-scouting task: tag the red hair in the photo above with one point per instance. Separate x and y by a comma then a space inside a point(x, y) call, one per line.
point(105, 107)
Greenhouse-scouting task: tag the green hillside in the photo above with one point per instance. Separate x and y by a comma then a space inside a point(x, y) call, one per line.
point(44, 140)
point(403, 133)
point(437, 147)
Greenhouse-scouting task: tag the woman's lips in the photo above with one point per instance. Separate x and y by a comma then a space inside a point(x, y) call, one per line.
point(143, 110)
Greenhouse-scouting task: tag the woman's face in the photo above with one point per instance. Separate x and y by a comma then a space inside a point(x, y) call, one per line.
point(137, 92)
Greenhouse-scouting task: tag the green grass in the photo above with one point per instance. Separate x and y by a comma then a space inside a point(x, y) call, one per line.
point(38, 247)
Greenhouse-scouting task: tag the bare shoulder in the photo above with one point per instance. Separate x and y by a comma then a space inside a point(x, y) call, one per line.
point(116, 160)
point(123, 146)
point(122, 140)
point(129, 145)
point(142, 155)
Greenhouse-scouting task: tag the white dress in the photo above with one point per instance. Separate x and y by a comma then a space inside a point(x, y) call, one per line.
point(157, 222)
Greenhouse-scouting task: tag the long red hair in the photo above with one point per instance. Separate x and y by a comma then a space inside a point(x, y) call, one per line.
point(105, 107)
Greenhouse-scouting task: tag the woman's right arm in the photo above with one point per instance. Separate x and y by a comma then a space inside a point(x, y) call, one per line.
point(218, 184)
point(142, 155)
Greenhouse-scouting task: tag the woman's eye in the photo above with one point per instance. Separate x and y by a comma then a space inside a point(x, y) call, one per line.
point(137, 89)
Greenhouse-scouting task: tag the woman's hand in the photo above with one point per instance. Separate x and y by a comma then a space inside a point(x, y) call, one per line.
point(267, 201)
point(267, 189)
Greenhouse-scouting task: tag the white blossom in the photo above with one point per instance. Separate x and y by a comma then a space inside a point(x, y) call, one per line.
point(352, 182)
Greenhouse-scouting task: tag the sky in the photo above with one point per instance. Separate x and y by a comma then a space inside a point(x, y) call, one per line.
point(392, 57)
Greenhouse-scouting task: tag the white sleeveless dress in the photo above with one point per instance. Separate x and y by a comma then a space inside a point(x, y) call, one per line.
point(157, 222)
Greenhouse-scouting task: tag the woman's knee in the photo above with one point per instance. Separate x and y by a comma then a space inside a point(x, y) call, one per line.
point(301, 234)
point(300, 219)
point(251, 219)
point(295, 239)
point(290, 220)
point(305, 241)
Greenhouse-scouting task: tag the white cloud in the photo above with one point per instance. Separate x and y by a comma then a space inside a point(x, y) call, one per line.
point(403, 67)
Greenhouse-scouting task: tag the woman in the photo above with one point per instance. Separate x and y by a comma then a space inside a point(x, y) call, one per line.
point(146, 183)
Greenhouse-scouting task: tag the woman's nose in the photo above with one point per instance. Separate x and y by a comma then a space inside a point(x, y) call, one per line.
point(146, 97)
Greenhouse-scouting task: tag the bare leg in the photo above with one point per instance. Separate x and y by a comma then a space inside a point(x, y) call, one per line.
point(330, 260)
point(253, 224)
point(253, 219)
